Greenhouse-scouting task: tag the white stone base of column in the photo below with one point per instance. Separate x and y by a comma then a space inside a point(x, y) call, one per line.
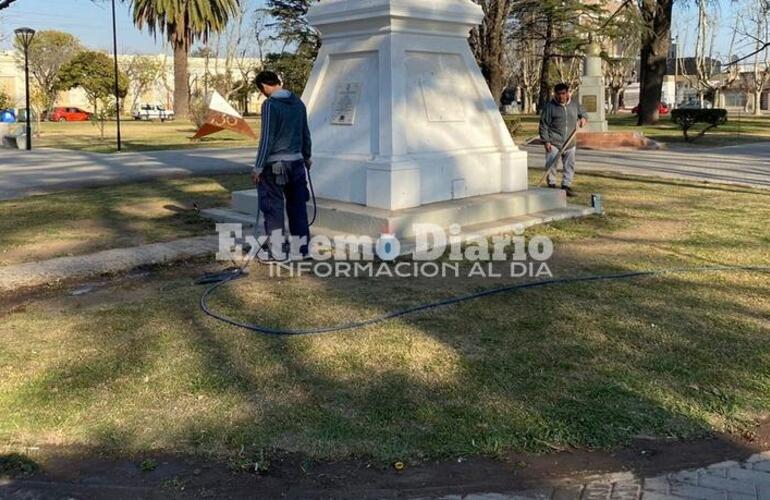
point(514, 172)
point(393, 189)
point(600, 126)
point(419, 179)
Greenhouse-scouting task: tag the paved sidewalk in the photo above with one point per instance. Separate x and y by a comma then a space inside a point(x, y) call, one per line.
point(41, 171)
point(746, 165)
point(748, 480)
point(108, 261)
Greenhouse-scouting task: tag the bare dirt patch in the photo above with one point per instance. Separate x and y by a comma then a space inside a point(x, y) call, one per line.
point(90, 473)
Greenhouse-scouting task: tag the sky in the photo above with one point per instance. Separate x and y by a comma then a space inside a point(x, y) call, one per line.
point(724, 13)
point(91, 22)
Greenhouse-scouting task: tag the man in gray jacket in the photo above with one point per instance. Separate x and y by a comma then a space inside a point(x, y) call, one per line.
point(559, 118)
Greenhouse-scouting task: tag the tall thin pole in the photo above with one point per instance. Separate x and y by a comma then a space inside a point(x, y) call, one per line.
point(676, 73)
point(26, 84)
point(115, 56)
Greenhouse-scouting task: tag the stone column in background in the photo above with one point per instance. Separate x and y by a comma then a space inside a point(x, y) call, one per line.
point(592, 93)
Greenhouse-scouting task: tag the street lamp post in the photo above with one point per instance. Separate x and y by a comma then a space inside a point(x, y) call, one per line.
point(25, 36)
point(117, 85)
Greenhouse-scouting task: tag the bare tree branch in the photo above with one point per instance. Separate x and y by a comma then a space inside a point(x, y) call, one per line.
point(757, 51)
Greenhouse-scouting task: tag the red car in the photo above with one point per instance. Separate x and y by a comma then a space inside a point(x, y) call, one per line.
point(662, 109)
point(68, 115)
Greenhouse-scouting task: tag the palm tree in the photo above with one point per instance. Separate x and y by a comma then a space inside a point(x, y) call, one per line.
point(183, 22)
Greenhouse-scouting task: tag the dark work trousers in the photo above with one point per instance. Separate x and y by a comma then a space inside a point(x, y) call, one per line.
point(293, 197)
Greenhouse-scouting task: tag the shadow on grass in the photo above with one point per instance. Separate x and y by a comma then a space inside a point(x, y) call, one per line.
point(103, 219)
point(16, 465)
point(659, 181)
point(572, 367)
point(576, 366)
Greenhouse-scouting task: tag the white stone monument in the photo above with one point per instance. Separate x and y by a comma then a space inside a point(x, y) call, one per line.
point(399, 111)
point(592, 93)
point(405, 128)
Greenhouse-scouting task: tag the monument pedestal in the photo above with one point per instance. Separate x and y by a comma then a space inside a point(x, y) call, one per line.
point(400, 113)
point(405, 129)
point(478, 215)
point(611, 141)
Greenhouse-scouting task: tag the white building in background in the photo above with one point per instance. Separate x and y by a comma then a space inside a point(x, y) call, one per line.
point(162, 92)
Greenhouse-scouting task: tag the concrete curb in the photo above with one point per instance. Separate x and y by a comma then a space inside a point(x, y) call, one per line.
point(109, 261)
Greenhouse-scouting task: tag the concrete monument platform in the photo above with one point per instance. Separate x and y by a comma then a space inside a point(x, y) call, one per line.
point(405, 129)
point(610, 141)
point(615, 140)
point(478, 215)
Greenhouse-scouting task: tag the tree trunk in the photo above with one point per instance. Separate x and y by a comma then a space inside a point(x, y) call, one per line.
point(615, 100)
point(655, 45)
point(757, 102)
point(545, 85)
point(181, 81)
point(491, 50)
point(488, 41)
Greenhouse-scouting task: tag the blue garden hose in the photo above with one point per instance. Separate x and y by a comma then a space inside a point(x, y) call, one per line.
point(219, 280)
point(265, 330)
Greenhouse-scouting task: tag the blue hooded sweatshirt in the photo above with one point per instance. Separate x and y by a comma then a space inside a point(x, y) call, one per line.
point(285, 131)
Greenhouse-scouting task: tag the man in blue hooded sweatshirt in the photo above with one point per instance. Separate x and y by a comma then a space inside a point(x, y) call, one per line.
point(285, 152)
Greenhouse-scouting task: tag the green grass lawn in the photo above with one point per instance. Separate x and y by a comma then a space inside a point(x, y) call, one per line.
point(147, 136)
point(740, 129)
point(90, 220)
point(134, 367)
point(137, 136)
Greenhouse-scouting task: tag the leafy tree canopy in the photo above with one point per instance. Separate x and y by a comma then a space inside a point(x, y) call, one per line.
point(93, 72)
point(292, 24)
point(48, 52)
point(293, 68)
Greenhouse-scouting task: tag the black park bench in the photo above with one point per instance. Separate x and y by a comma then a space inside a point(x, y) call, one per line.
point(686, 118)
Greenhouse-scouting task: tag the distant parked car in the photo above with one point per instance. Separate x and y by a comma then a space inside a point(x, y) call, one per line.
point(149, 112)
point(68, 115)
point(695, 104)
point(663, 109)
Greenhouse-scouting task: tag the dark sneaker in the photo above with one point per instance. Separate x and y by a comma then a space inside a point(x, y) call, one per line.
point(570, 192)
point(551, 186)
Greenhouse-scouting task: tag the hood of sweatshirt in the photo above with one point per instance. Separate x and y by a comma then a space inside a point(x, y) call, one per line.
point(286, 97)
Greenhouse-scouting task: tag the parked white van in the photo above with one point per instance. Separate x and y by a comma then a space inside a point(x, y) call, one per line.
point(150, 112)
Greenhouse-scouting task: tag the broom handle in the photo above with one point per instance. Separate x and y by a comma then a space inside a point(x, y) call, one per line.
point(556, 158)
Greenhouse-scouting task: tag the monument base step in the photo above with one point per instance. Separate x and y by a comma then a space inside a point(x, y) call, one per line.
point(481, 215)
point(408, 245)
point(350, 218)
point(610, 141)
point(616, 140)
